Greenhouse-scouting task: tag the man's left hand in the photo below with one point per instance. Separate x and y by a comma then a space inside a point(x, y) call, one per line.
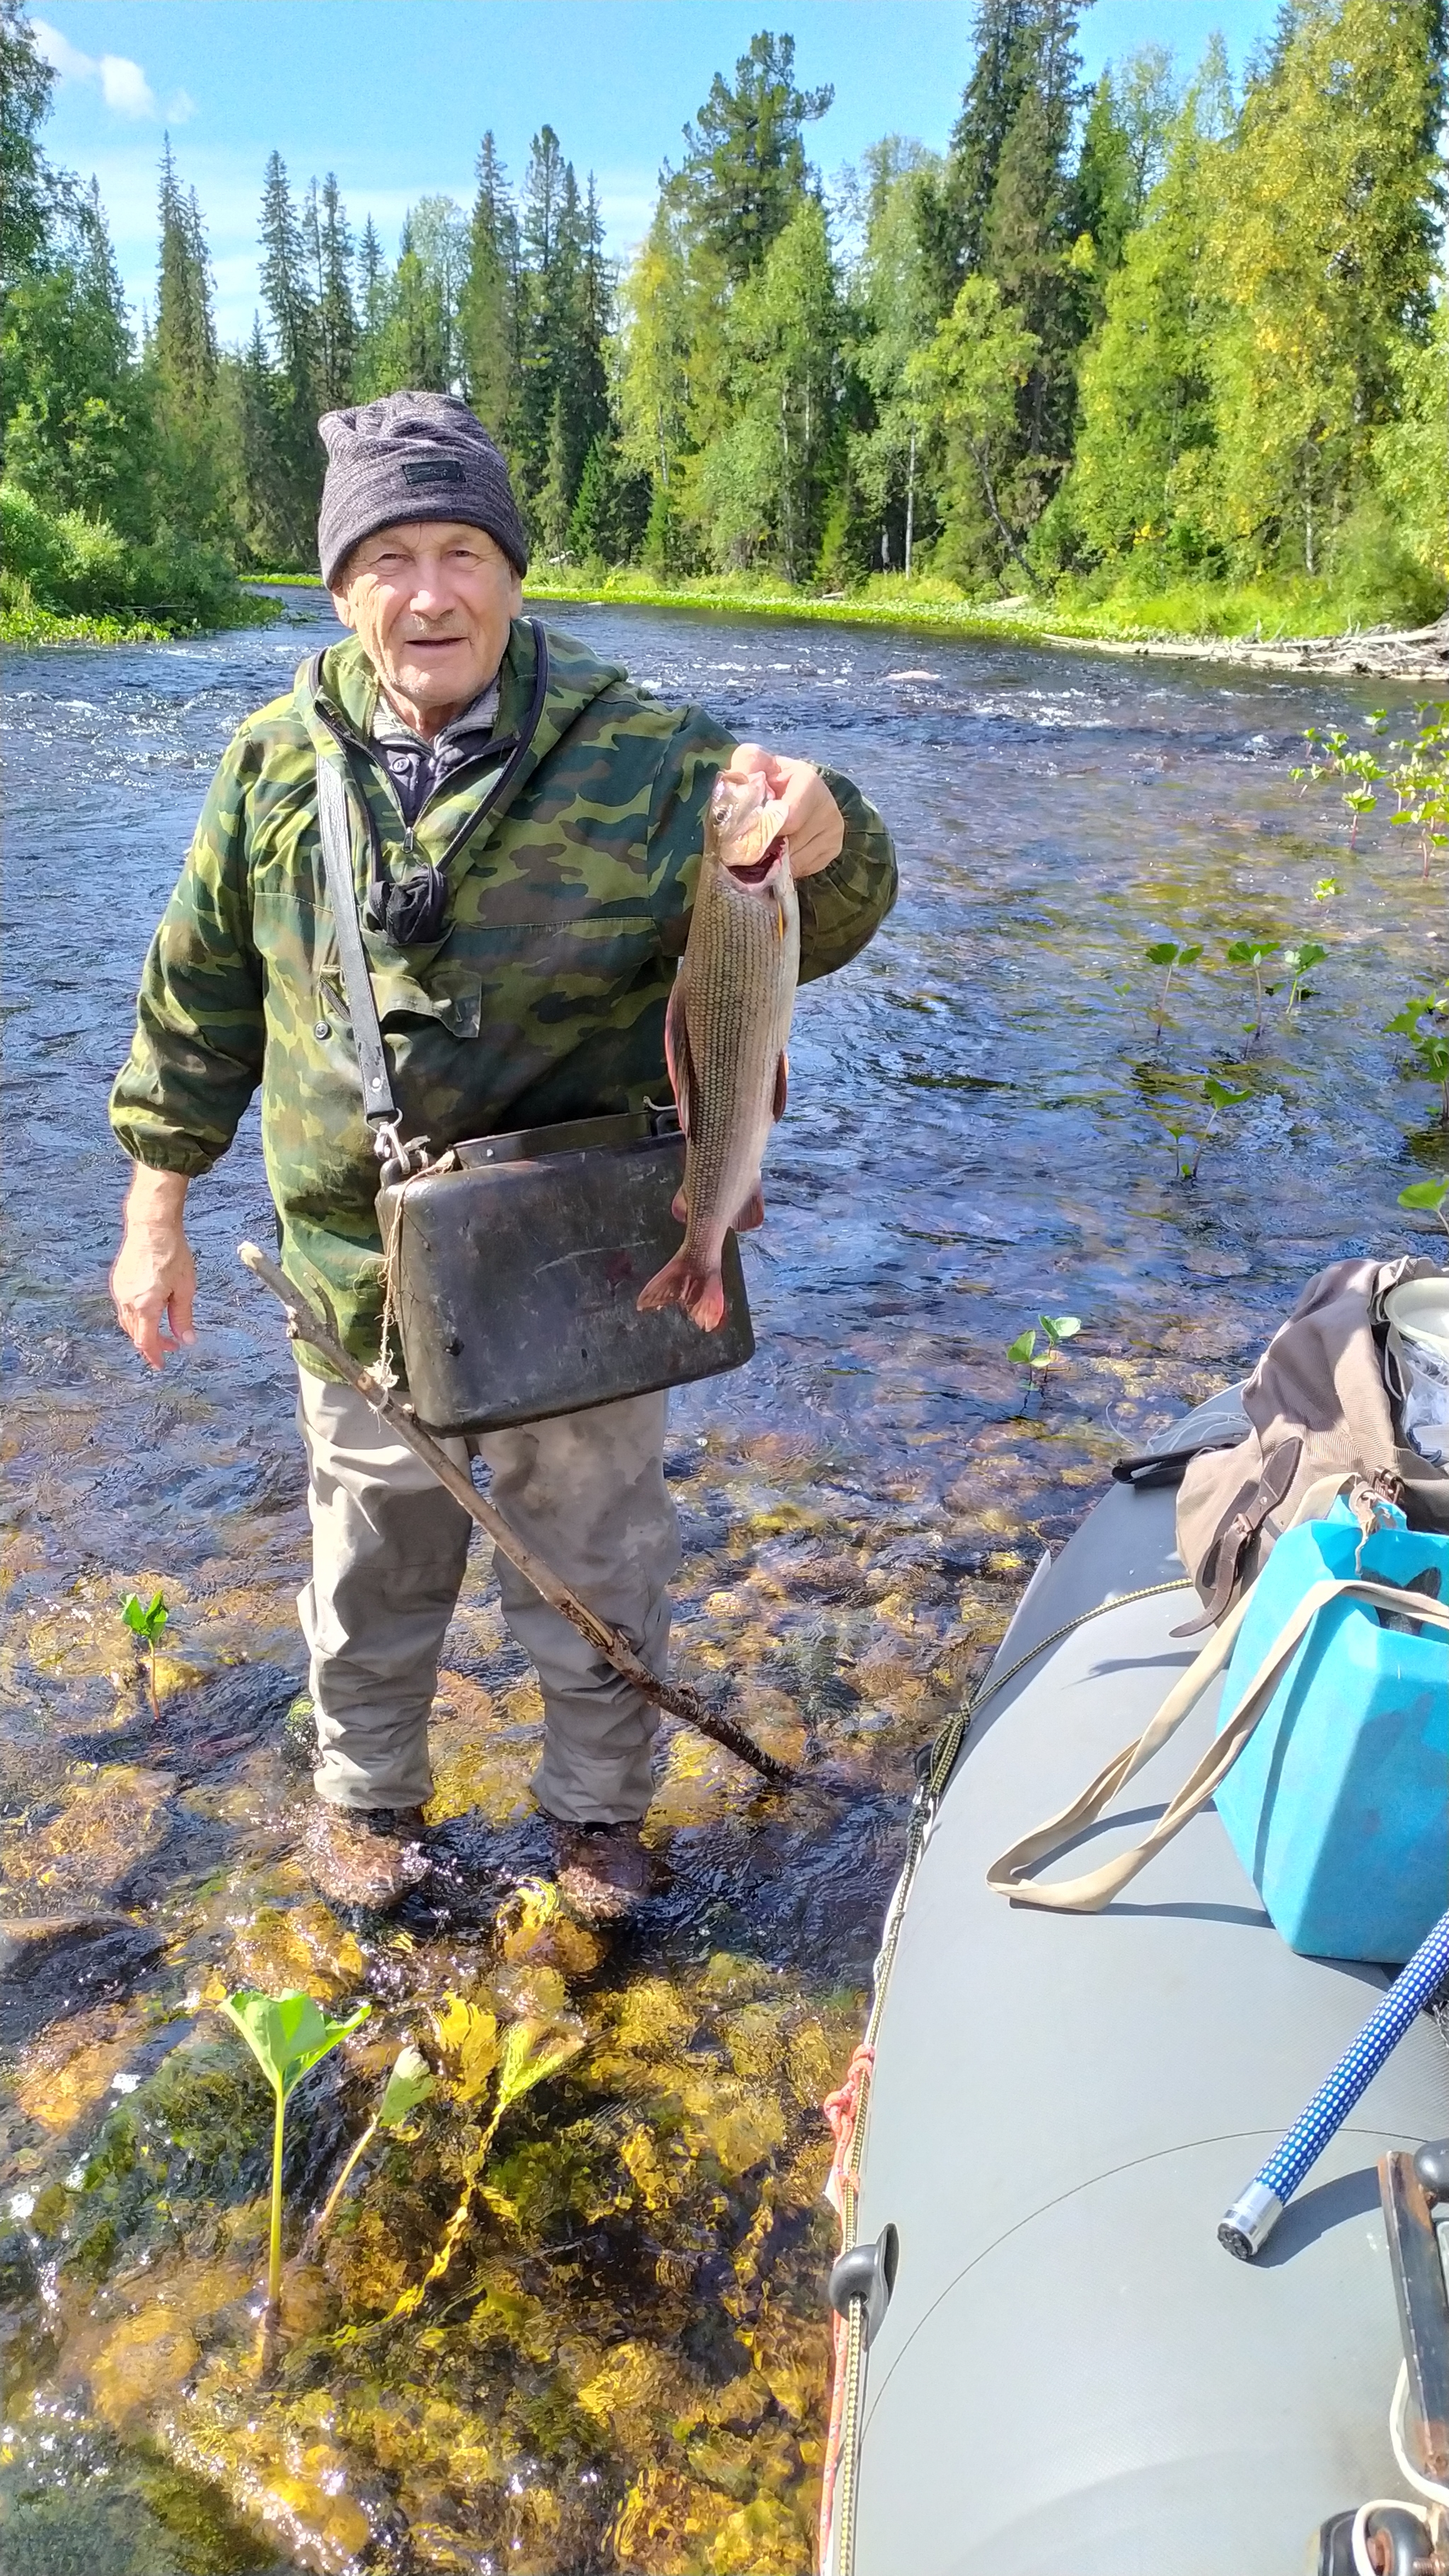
point(815, 826)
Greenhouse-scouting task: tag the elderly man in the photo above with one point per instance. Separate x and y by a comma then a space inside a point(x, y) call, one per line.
point(521, 953)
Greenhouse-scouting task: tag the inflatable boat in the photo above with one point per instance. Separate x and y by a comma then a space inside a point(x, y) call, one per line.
point(1059, 2370)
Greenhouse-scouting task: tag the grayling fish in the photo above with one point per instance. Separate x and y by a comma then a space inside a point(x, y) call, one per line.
point(725, 1036)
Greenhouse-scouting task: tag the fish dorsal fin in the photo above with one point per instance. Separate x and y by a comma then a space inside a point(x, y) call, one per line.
point(677, 1055)
point(782, 1085)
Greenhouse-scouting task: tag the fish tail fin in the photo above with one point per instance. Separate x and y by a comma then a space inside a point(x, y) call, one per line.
point(688, 1282)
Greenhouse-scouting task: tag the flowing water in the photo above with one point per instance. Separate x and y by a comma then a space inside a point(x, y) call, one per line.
point(625, 2363)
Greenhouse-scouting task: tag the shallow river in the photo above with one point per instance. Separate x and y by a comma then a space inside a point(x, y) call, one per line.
point(625, 2365)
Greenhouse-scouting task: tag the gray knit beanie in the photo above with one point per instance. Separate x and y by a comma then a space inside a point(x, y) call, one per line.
point(412, 456)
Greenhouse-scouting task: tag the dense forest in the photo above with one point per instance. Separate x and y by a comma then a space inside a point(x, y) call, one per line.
point(1114, 339)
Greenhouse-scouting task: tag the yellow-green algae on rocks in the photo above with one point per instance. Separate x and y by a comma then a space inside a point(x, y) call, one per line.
point(580, 2327)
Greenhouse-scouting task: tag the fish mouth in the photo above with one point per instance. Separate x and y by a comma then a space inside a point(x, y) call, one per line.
point(755, 872)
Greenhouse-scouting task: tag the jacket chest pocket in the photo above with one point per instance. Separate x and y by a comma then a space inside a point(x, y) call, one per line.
point(452, 998)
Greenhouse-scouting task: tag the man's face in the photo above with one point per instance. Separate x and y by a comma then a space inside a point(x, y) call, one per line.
point(431, 602)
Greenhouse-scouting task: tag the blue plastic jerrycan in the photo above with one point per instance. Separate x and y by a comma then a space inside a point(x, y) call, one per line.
point(1338, 1804)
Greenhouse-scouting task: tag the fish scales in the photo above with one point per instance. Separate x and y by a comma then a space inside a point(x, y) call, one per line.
point(729, 1022)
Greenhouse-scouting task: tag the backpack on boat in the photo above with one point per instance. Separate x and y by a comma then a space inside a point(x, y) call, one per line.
point(1331, 1756)
point(1318, 1410)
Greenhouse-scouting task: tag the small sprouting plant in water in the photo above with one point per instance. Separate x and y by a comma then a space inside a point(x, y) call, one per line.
point(1331, 757)
point(1251, 953)
point(1167, 953)
point(1217, 1097)
point(1430, 1045)
point(1417, 772)
point(1421, 780)
point(1300, 961)
point(1433, 1195)
point(1024, 1353)
point(288, 2035)
point(147, 1623)
point(407, 2088)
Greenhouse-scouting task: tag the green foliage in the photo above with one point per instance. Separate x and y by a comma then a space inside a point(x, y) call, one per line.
point(1430, 1043)
point(147, 1623)
point(1253, 954)
point(1167, 953)
point(1171, 365)
point(1415, 764)
point(288, 2035)
point(1433, 1195)
point(145, 1620)
point(1024, 1352)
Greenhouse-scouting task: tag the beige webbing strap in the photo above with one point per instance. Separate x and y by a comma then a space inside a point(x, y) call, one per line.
point(1088, 1895)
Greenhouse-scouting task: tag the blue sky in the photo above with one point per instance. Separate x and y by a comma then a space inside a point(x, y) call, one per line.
point(394, 94)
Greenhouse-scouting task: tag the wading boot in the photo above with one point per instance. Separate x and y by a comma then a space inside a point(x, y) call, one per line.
point(365, 1859)
point(603, 1870)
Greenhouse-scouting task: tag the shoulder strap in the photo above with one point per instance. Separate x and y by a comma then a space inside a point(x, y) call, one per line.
point(379, 1104)
point(1088, 1895)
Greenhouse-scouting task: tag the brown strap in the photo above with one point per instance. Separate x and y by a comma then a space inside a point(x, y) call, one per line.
point(1088, 1895)
point(1240, 1523)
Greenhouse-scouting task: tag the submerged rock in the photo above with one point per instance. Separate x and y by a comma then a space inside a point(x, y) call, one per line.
point(52, 1964)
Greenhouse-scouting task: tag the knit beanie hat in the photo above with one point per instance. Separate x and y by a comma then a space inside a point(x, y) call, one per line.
point(412, 456)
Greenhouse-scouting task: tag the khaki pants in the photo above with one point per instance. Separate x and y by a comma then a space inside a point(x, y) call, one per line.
point(389, 1546)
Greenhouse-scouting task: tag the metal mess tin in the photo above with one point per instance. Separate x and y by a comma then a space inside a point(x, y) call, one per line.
point(516, 1275)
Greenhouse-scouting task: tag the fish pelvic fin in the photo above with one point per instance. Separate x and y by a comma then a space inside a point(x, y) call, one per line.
point(752, 1213)
point(685, 1282)
point(677, 1055)
point(782, 1087)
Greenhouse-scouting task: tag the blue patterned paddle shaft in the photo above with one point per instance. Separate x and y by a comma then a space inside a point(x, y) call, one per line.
point(1412, 1988)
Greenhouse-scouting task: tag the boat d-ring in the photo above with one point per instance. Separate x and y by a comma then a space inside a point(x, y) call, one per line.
point(867, 2273)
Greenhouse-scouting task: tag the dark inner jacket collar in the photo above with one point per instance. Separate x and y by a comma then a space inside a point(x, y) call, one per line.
point(416, 766)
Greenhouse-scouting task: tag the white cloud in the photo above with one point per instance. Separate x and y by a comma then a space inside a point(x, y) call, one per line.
point(123, 84)
point(181, 108)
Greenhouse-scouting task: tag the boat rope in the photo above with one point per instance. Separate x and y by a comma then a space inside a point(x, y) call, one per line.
point(845, 2110)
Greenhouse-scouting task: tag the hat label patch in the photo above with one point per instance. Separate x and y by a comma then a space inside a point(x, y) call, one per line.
point(435, 469)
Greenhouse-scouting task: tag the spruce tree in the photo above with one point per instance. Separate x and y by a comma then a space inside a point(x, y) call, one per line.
point(372, 299)
point(329, 243)
point(292, 314)
point(954, 202)
point(488, 311)
point(744, 166)
point(183, 362)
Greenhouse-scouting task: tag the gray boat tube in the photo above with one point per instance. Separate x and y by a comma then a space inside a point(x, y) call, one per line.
point(1070, 2377)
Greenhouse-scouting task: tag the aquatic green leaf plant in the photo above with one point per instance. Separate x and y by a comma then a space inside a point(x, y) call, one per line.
point(1417, 773)
point(1300, 961)
point(147, 1623)
point(1429, 1194)
point(1251, 953)
point(1430, 1044)
point(409, 2085)
point(288, 2035)
point(1024, 1353)
point(528, 2052)
point(1216, 1097)
point(1168, 954)
point(1433, 1195)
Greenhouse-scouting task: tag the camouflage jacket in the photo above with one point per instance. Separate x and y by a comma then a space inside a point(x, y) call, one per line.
point(543, 1000)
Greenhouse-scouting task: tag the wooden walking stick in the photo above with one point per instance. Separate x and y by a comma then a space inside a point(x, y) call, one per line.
point(305, 1325)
